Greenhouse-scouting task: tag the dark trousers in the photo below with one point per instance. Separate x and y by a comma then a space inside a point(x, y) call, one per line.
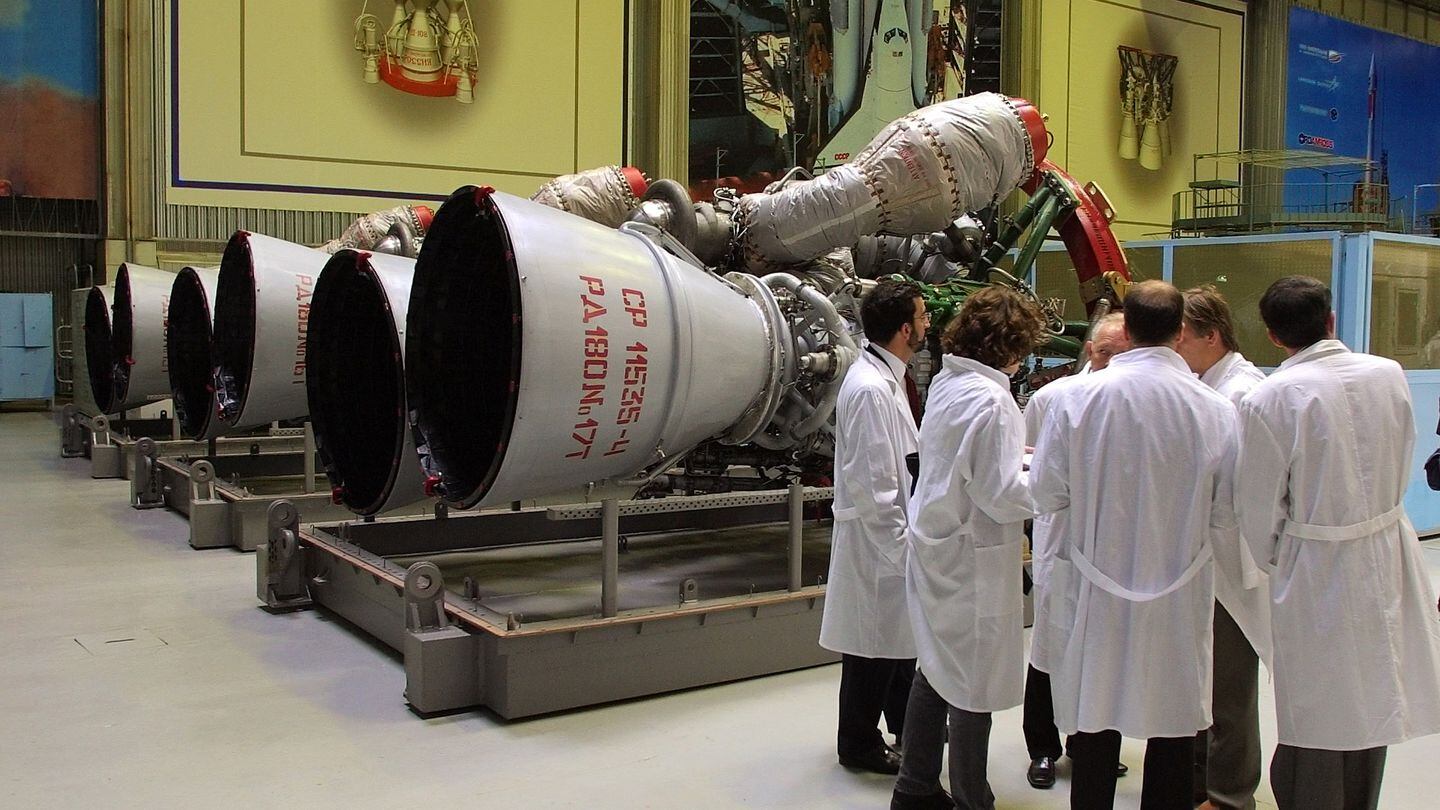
point(1308, 779)
point(924, 748)
point(868, 688)
point(1042, 739)
point(1227, 758)
point(1169, 771)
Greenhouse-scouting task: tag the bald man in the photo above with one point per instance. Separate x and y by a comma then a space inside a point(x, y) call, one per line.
point(1042, 739)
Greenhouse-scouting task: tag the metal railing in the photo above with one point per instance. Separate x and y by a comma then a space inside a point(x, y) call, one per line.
point(1272, 207)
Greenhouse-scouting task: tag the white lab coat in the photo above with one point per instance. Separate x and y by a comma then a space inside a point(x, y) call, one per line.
point(1047, 527)
point(1324, 463)
point(1240, 584)
point(865, 593)
point(966, 540)
point(1142, 456)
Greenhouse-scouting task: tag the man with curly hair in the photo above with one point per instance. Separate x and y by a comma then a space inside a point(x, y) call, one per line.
point(1142, 456)
point(962, 577)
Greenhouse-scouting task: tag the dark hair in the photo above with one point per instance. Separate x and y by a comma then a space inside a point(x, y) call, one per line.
point(1154, 311)
point(888, 307)
point(996, 326)
point(1296, 310)
point(1207, 313)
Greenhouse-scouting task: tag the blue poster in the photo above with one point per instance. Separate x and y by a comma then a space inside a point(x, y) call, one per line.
point(49, 98)
point(1359, 92)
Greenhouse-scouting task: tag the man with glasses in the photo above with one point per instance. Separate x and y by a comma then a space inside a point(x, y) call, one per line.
point(876, 426)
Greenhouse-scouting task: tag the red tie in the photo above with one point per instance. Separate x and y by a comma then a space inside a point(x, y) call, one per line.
point(912, 393)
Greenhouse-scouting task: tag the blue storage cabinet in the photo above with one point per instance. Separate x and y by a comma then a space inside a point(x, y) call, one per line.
point(27, 346)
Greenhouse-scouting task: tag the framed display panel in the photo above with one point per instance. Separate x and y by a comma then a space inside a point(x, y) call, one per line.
point(269, 106)
point(1072, 68)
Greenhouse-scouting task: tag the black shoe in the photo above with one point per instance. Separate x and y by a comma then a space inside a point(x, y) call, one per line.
point(939, 800)
point(880, 759)
point(1041, 773)
point(1121, 769)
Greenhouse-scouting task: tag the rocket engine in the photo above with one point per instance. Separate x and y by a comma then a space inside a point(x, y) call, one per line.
point(545, 351)
point(187, 344)
point(610, 330)
point(99, 359)
point(262, 313)
point(355, 379)
point(137, 339)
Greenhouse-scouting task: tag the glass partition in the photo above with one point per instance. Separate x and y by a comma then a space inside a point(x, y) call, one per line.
point(1055, 275)
point(1405, 303)
point(1242, 271)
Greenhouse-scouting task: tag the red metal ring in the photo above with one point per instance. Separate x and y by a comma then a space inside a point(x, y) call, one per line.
point(636, 179)
point(1034, 128)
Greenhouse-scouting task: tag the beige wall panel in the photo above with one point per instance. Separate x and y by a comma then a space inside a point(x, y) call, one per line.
point(271, 94)
point(1079, 73)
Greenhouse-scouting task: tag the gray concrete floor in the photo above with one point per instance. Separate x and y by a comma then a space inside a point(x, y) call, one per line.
point(137, 672)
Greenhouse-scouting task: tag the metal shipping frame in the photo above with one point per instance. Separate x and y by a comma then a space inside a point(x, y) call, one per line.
point(459, 652)
point(110, 443)
point(217, 492)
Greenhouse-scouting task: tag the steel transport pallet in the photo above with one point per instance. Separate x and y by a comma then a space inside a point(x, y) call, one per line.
point(536, 610)
point(226, 496)
point(110, 443)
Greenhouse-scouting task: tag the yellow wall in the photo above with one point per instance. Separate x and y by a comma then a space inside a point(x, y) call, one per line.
point(1071, 67)
point(271, 93)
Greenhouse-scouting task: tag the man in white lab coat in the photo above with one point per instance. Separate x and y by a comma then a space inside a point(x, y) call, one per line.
point(864, 618)
point(966, 539)
point(1142, 457)
point(1042, 739)
point(1325, 458)
point(1227, 757)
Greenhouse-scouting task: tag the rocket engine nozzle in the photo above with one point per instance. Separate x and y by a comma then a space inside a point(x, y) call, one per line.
point(99, 365)
point(187, 342)
point(355, 379)
point(262, 313)
point(137, 340)
point(545, 352)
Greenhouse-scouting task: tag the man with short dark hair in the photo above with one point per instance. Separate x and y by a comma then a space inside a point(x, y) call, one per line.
point(865, 615)
point(1325, 454)
point(1227, 757)
point(1141, 456)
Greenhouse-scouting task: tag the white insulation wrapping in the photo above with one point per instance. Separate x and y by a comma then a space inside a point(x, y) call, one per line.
point(605, 195)
point(396, 230)
point(918, 175)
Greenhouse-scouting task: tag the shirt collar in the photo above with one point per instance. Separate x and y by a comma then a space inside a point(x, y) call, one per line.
point(1152, 355)
point(960, 365)
point(897, 368)
point(1315, 351)
point(1214, 375)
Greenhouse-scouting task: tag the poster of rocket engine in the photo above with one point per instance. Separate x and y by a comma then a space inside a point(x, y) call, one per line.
point(780, 83)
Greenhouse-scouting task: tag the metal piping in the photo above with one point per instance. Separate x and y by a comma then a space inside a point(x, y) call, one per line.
point(918, 175)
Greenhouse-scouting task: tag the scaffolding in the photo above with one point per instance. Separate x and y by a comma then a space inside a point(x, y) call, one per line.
point(1246, 191)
